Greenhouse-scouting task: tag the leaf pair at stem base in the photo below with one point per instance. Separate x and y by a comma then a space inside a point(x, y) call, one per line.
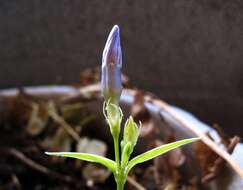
point(111, 165)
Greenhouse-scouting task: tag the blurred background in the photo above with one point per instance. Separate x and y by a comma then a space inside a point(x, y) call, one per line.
point(187, 52)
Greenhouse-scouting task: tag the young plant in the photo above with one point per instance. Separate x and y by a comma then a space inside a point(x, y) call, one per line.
point(111, 85)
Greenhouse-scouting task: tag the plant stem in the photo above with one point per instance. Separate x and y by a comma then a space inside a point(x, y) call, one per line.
point(121, 178)
point(117, 151)
point(120, 185)
point(119, 170)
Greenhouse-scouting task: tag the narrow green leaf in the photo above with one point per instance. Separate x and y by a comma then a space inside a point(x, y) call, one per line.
point(158, 151)
point(110, 164)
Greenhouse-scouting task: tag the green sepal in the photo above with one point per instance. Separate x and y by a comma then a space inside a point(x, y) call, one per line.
point(126, 152)
point(113, 115)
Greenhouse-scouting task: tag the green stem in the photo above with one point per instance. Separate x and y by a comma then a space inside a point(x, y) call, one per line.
point(117, 151)
point(120, 185)
point(119, 170)
point(121, 178)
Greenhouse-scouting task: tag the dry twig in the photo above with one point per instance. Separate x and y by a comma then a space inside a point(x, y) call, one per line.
point(135, 183)
point(36, 166)
point(58, 119)
point(215, 170)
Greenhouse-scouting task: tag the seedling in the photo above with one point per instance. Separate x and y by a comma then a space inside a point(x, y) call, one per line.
point(111, 85)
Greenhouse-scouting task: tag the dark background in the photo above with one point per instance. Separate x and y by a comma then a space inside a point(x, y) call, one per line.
point(188, 52)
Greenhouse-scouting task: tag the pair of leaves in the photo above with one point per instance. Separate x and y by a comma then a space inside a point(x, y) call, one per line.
point(110, 164)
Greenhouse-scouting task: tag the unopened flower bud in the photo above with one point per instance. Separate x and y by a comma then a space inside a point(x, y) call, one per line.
point(111, 82)
point(113, 116)
point(131, 133)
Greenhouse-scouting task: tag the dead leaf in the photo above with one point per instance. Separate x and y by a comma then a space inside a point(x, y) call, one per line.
point(61, 141)
point(95, 173)
point(37, 120)
point(92, 146)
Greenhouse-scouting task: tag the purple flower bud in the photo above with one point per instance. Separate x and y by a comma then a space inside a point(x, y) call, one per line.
point(111, 83)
